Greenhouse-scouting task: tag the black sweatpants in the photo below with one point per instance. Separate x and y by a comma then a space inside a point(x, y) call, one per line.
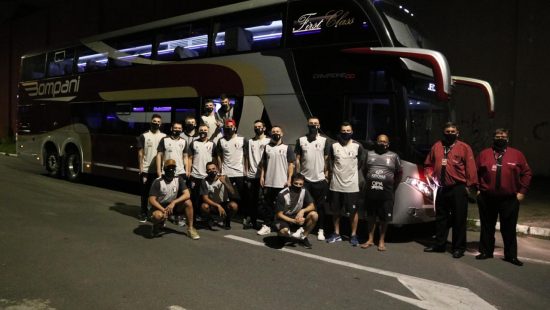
point(319, 193)
point(505, 208)
point(451, 210)
point(145, 187)
point(251, 198)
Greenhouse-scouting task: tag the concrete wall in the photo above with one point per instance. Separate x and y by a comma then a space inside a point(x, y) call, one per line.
point(504, 42)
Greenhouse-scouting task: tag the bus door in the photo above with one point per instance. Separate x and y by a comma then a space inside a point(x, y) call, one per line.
point(114, 150)
point(370, 116)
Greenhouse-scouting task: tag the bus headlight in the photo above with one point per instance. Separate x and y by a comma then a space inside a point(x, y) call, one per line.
point(420, 186)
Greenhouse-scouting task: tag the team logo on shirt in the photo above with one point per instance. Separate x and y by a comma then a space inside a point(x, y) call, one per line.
point(378, 174)
point(377, 185)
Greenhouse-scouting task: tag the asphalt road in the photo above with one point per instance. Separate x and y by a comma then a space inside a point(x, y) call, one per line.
point(80, 246)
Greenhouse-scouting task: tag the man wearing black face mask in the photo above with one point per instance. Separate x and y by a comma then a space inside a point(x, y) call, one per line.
point(504, 178)
point(189, 133)
point(201, 152)
point(253, 153)
point(170, 196)
point(211, 119)
point(312, 162)
point(383, 169)
point(230, 150)
point(147, 145)
point(346, 158)
point(174, 147)
point(226, 109)
point(295, 210)
point(451, 165)
point(276, 169)
point(217, 192)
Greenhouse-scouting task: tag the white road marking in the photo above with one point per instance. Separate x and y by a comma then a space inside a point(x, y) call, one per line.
point(431, 294)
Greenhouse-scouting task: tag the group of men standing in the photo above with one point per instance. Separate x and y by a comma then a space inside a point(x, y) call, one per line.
point(499, 177)
point(291, 189)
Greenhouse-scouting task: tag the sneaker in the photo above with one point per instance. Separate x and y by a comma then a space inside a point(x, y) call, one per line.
point(354, 241)
point(247, 223)
point(210, 224)
point(334, 238)
point(299, 234)
point(305, 242)
point(227, 224)
point(142, 218)
point(192, 233)
point(265, 230)
point(180, 221)
point(321, 235)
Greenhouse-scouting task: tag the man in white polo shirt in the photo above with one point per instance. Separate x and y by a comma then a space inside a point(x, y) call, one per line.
point(254, 153)
point(230, 151)
point(277, 167)
point(147, 152)
point(201, 152)
point(346, 158)
point(174, 147)
point(312, 162)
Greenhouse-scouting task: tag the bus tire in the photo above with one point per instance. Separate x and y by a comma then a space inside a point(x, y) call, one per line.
point(53, 163)
point(73, 166)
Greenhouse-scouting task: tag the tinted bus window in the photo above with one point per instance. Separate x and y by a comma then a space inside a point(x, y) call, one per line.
point(90, 60)
point(60, 63)
point(127, 51)
point(250, 32)
point(33, 67)
point(183, 41)
point(322, 22)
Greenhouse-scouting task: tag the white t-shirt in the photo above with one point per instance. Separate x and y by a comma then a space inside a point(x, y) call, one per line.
point(312, 157)
point(232, 153)
point(255, 151)
point(174, 149)
point(202, 153)
point(276, 160)
point(345, 166)
point(149, 142)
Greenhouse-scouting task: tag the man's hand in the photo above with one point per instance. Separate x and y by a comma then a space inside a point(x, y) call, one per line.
point(221, 211)
point(520, 196)
point(262, 182)
point(169, 209)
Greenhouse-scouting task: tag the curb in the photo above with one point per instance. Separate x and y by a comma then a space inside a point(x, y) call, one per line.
point(522, 229)
point(8, 154)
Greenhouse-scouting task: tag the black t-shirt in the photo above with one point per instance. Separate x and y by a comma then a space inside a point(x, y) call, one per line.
point(287, 201)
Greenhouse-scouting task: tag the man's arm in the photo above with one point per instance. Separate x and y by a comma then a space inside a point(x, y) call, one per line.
point(525, 176)
point(159, 163)
point(291, 158)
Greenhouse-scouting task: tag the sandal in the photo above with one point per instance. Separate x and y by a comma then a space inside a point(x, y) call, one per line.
point(366, 245)
point(381, 248)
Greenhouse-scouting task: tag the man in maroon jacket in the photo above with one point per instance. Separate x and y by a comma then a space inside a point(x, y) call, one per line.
point(451, 165)
point(504, 177)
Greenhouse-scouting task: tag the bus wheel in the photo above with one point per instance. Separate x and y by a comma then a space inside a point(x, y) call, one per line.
point(73, 166)
point(53, 163)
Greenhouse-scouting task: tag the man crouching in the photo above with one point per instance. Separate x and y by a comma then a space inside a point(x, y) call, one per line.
point(169, 196)
point(295, 210)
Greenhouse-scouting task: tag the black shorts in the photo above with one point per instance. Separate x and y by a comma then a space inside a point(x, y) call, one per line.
point(279, 224)
point(381, 208)
point(342, 203)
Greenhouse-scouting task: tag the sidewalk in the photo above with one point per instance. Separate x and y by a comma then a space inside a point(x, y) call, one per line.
point(534, 211)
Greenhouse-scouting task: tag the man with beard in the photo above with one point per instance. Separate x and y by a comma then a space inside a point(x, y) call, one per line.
point(451, 165)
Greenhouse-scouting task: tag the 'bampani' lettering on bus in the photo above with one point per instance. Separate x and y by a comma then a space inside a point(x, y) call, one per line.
point(53, 88)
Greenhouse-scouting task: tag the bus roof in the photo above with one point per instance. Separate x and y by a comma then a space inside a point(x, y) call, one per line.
point(221, 10)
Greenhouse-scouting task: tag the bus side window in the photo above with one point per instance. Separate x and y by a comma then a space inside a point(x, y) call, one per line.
point(183, 42)
point(257, 30)
point(33, 68)
point(89, 60)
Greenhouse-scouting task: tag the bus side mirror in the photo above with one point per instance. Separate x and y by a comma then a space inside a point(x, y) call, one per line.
point(481, 84)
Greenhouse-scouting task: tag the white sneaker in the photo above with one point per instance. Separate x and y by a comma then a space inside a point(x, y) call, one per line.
point(299, 234)
point(321, 235)
point(265, 230)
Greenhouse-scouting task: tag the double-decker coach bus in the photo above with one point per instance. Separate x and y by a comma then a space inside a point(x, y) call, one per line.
point(81, 108)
